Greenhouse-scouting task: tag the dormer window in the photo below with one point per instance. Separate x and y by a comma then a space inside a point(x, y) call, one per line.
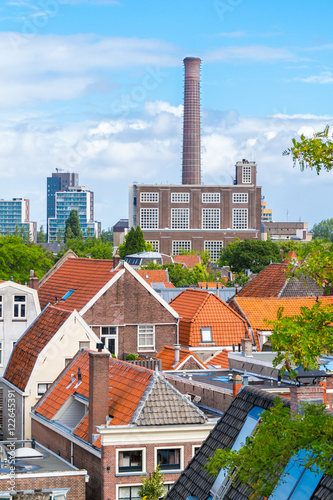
point(206, 334)
point(19, 306)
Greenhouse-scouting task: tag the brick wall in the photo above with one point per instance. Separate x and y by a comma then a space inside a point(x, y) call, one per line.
point(214, 397)
point(329, 393)
point(191, 364)
point(75, 483)
point(307, 393)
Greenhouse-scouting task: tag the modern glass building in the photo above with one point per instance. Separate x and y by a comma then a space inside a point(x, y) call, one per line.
point(15, 219)
point(60, 181)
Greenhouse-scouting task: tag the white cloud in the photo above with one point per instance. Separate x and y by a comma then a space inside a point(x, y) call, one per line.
point(322, 78)
point(157, 107)
point(254, 53)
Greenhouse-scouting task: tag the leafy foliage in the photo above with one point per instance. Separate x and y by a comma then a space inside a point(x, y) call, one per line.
point(180, 276)
point(314, 152)
point(134, 242)
point(73, 228)
point(249, 254)
point(262, 460)
point(300, 340)
point(41, 236)
point(17, 258)
point(152, 486)
point(323, 230)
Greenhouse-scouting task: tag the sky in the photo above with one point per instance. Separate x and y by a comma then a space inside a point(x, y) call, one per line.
point(96, 87)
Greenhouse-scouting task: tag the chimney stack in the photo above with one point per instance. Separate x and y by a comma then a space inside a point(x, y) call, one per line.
point(305, 393)
point(191, 173)
point(177, 353)
point(33, 280)
point(98, 391)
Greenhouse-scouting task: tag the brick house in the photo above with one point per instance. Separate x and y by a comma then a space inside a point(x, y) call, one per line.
point(120, 306)
point(207, 324)
point(118, 421)
point(37, 359)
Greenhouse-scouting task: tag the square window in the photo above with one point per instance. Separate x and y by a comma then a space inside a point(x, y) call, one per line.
point(180, 218)
point(180, 197)
point(169, 458)
point(155, 244)
point(128, 492)
point(240, 197)
point(19, 306)
point(146, 338)
point(84, 345)
point(149, 218)
point(42, 388)
point(206, 334)
point(130, 461)
point(210, 218)
point(214, 248)
point(210, 197)
point(178, 246)
point(149, 197)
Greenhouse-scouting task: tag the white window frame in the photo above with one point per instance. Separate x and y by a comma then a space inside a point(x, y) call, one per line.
point(195, 448)
point(238, 220)
point(109, 335)
point(1, 307)
point(119, 486)
point(138, 473)
point(149, 218)
point(214, 248)
point(149, 197)
point(81, 346)
point(211, 218)
point(146, 347)
point(174, 447)
point(155, 244)
point(48, 384)
point(203, 331)
point(180, 218)
point(19, 305)
point(246, 174)
point(177, 245)
point(180, 197)
point(240, 197)
point(211, 197)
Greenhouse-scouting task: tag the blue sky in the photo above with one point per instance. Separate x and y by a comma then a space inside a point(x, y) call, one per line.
point(96, 87)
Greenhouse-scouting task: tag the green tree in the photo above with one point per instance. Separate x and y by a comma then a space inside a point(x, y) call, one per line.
point(249, 254)
point(107, 235)
point(313, 152)
point(73, 228)
point(134, 242)
point(152, 486)
point(60, 235)
point(41, 236)
point(323, 230)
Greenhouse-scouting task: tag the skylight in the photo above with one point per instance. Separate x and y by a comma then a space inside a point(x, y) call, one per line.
point(68, 294)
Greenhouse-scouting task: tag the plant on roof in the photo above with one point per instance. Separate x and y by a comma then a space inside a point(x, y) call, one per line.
point(260, 463)
point(152, 486)
point(131, 357)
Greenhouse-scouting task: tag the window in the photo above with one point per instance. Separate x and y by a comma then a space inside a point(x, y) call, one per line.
point(128, 492)
point(109, 337)
point(149, 218)
point(180, 197)
point(213, 248)
point(246, 174)
point(19, 306)
point(169, 458)
point(239, 218)
point(210, 197)
point(84, 345)
point(155, 244)
point(42, 388)
point(210, 218)
point(146, 338)
point(195, 449)
point(240, 197)
point(206, 334)
point(177, 246)
point(180, 218)
point(0, 306)
point(149, 197)
point(130, 461)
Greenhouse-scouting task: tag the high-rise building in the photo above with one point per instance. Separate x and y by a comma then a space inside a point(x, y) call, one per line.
point(15, 218)
point(192, 216)
point(80, 199)
point(60, 181)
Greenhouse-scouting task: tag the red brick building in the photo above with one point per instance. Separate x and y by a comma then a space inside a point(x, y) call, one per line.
point(118, 421)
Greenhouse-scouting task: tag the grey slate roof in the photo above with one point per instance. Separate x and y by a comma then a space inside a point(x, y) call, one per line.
point(304, 287)
point(163, 404)
point(195, 481)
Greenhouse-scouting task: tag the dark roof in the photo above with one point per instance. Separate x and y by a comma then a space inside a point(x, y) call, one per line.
point(273, 282)
point(120, 226)
point(197, 483)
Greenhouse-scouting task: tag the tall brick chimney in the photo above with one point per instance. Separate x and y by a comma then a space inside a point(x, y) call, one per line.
point(305, 393)
point(98, 391)
point(191, 173)
point(33, 280)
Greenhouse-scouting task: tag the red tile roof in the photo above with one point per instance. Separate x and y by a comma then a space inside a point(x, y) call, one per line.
point(85, 276)
point(32, 342)
point(256, 310)
point(127, 384)
point(198, 308)
point(212, 284)
point(221, 360)
point(187, 260)
point(268, 283)
point(167, 355)
point(155, 276)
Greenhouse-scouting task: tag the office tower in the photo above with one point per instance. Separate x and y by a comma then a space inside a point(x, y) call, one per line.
point(15, 218)
point(60, 181)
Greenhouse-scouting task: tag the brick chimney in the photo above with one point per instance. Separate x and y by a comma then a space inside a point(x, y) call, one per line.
point(236, 385)
point(98, 391)
point(33, 280)
point(305, 393)
point(116, 259)
point(246, 347)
